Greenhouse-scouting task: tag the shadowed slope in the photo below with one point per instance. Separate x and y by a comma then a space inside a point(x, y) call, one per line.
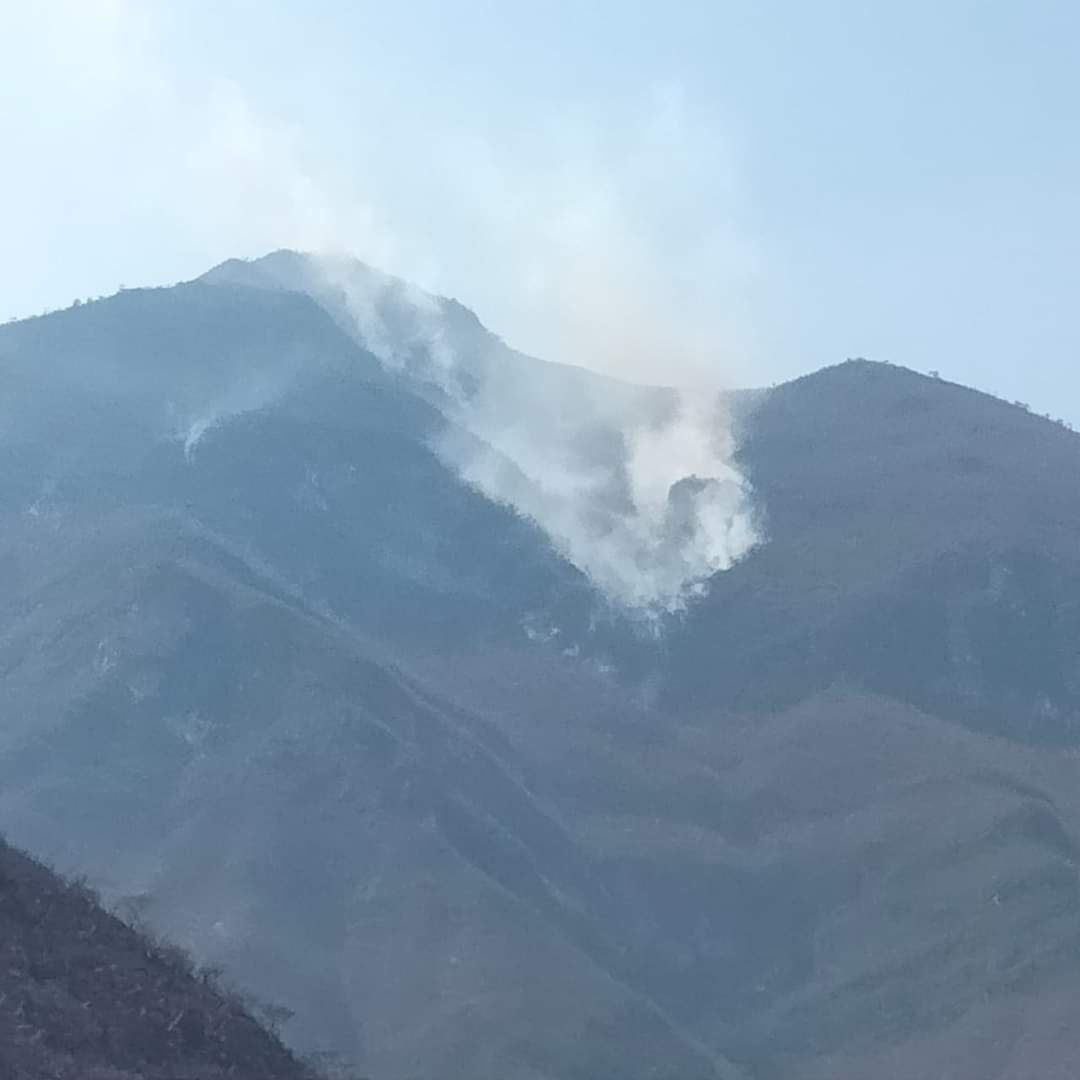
point(84, 997)
point(920, 543)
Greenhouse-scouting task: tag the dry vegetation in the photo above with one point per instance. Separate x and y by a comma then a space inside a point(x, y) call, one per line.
point(83, 995)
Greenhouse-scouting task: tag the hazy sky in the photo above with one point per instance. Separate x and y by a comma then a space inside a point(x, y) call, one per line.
point(739, 192)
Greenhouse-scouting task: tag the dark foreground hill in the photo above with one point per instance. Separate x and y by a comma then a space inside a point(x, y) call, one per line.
point(272, 671)
point(85, 997)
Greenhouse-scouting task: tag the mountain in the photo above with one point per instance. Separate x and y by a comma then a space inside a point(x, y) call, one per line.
point(203, 647)
point(920, 544)
point(84, 996)
point(279, 670)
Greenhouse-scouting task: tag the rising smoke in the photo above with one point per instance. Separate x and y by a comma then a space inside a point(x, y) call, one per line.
point(607, 254)
point(639, 494)
point(635, 485)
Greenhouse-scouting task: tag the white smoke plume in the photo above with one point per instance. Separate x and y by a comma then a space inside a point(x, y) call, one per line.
point(250, 393)
point(610, 256)
point(643, 497)
point(635, 485)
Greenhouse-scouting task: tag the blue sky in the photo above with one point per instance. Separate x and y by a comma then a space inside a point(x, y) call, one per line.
point(724, 192)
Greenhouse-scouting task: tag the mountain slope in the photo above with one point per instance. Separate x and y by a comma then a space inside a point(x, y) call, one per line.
point(289, 439)
point(84, 996)
point(284, 805)
point(271, 670)
point(919, 545)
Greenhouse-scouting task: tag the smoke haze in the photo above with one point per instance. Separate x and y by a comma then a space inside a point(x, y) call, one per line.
point(605, 242)
point(635, 485)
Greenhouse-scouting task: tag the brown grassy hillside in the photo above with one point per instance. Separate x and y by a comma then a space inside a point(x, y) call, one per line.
point(84, 996)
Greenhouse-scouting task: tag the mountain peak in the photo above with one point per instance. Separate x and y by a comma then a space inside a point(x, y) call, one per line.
point(299, 271)
point(865, 387)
